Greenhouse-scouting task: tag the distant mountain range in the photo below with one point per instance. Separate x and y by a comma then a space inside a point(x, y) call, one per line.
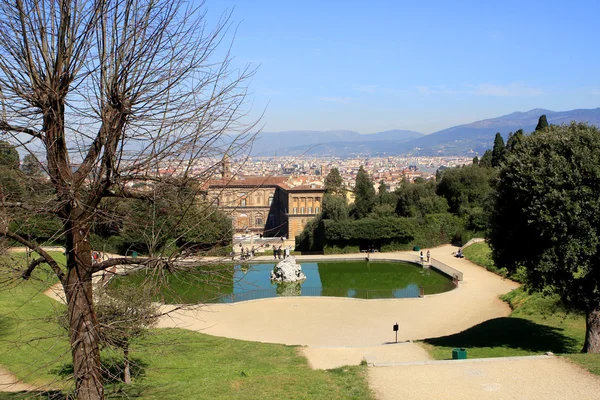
point(467, 139)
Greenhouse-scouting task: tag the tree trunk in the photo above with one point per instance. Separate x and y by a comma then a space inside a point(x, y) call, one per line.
point(82, 318)
point(126, 370)
point(592, 330)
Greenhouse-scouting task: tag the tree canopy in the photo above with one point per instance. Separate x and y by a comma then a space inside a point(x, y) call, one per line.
point(334, 184)
point(546, 217)
point(365, 197)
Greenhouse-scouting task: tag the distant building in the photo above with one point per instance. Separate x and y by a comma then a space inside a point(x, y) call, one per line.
point(271, 206)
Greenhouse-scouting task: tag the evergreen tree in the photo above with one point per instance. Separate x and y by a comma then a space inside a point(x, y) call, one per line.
point(9, 157)
point(486, 159)
point(365, 197)
point(381, 191)
point(542, 123)
point(31, 166)
point(514, 140)
point(475, 161)
point(334, 184)
point(498, 151)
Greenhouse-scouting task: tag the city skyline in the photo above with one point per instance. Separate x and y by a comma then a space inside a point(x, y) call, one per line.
point(425, 67)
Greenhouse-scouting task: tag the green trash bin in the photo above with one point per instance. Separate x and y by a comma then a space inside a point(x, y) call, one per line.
point(134, 254)
point(459, 354)
point(417, 248)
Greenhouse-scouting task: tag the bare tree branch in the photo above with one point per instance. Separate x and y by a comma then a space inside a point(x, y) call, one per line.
point(46, 257)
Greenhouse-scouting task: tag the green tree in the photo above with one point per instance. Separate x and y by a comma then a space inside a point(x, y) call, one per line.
point(31, 166)
point(334, 207)
point(498, 151)
point(364, 194)
point(486, 159)
point(542, 123)
point(514, 140)
point(546, 217)
point(414, 199)
point(123, 315)
point(465, 187)
point(476, 161)
point(9, 157)
point(334, 184)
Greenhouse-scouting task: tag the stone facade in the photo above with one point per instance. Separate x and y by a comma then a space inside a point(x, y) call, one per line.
point(271, 206)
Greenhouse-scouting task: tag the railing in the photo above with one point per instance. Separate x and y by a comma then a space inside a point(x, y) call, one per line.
point(446, 269)
point(473, 241)
point(296, 289)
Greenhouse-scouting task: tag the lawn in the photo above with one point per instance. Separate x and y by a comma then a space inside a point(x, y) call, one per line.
point(537, 324)
point(173, 363)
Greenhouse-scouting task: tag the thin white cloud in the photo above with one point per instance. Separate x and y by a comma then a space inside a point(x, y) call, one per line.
point(366, 88)
point(510, 90)
point(483, 89)
point(336, 99)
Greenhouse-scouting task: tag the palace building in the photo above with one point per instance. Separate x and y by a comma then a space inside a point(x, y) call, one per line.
point(270, 206)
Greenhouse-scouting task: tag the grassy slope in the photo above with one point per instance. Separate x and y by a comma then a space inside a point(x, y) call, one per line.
point(31, 342)
point(177, 364)
point(536, 325)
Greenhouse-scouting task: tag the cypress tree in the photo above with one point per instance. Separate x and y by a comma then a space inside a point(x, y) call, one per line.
point(486, 159)
point(365, 197)
point(542, 123)
point(498, 151)
point(334, 184)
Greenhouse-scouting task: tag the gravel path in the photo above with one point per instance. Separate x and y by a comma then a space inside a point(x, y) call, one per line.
point(530, 378)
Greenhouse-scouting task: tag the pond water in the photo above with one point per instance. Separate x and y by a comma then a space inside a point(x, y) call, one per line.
point(356, 279)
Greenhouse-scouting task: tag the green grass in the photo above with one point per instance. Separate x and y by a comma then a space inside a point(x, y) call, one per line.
point(183, 364)
point(480, 254)
point(31, 342)
point(537, 324)
point(173, 363)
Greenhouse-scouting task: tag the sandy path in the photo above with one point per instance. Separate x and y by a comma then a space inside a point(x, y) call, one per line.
point(10, 383)
point(344, 322)
point(530, 378)
point(333, 357)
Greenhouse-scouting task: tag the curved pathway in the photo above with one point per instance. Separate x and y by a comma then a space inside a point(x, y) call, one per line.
point(344, 322)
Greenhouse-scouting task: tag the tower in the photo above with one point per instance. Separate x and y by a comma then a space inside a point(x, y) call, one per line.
point(226, 167)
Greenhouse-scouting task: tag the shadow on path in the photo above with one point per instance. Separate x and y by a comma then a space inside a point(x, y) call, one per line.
point(516, 333)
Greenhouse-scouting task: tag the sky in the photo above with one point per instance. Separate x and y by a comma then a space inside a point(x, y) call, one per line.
point(423, 65)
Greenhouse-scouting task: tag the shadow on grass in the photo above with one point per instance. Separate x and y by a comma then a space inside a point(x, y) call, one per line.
point(112, 370)
point(48, 395)
point(516, 333)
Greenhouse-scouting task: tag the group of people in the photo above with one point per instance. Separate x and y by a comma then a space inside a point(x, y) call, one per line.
point(244, 253)
point(428, 256)
point(278, 252)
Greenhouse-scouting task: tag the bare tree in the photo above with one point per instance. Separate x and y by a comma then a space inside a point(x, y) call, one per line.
point(110, 93)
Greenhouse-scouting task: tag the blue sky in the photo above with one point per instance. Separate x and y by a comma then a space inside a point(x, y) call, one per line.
point(420, 65)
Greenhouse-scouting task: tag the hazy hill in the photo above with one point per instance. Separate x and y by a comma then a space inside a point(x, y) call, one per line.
point(479, 136)
point(339, 143)
point(470, 138)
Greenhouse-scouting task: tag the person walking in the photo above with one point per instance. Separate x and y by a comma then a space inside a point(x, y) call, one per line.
point(428, 255)
point(274, 253)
